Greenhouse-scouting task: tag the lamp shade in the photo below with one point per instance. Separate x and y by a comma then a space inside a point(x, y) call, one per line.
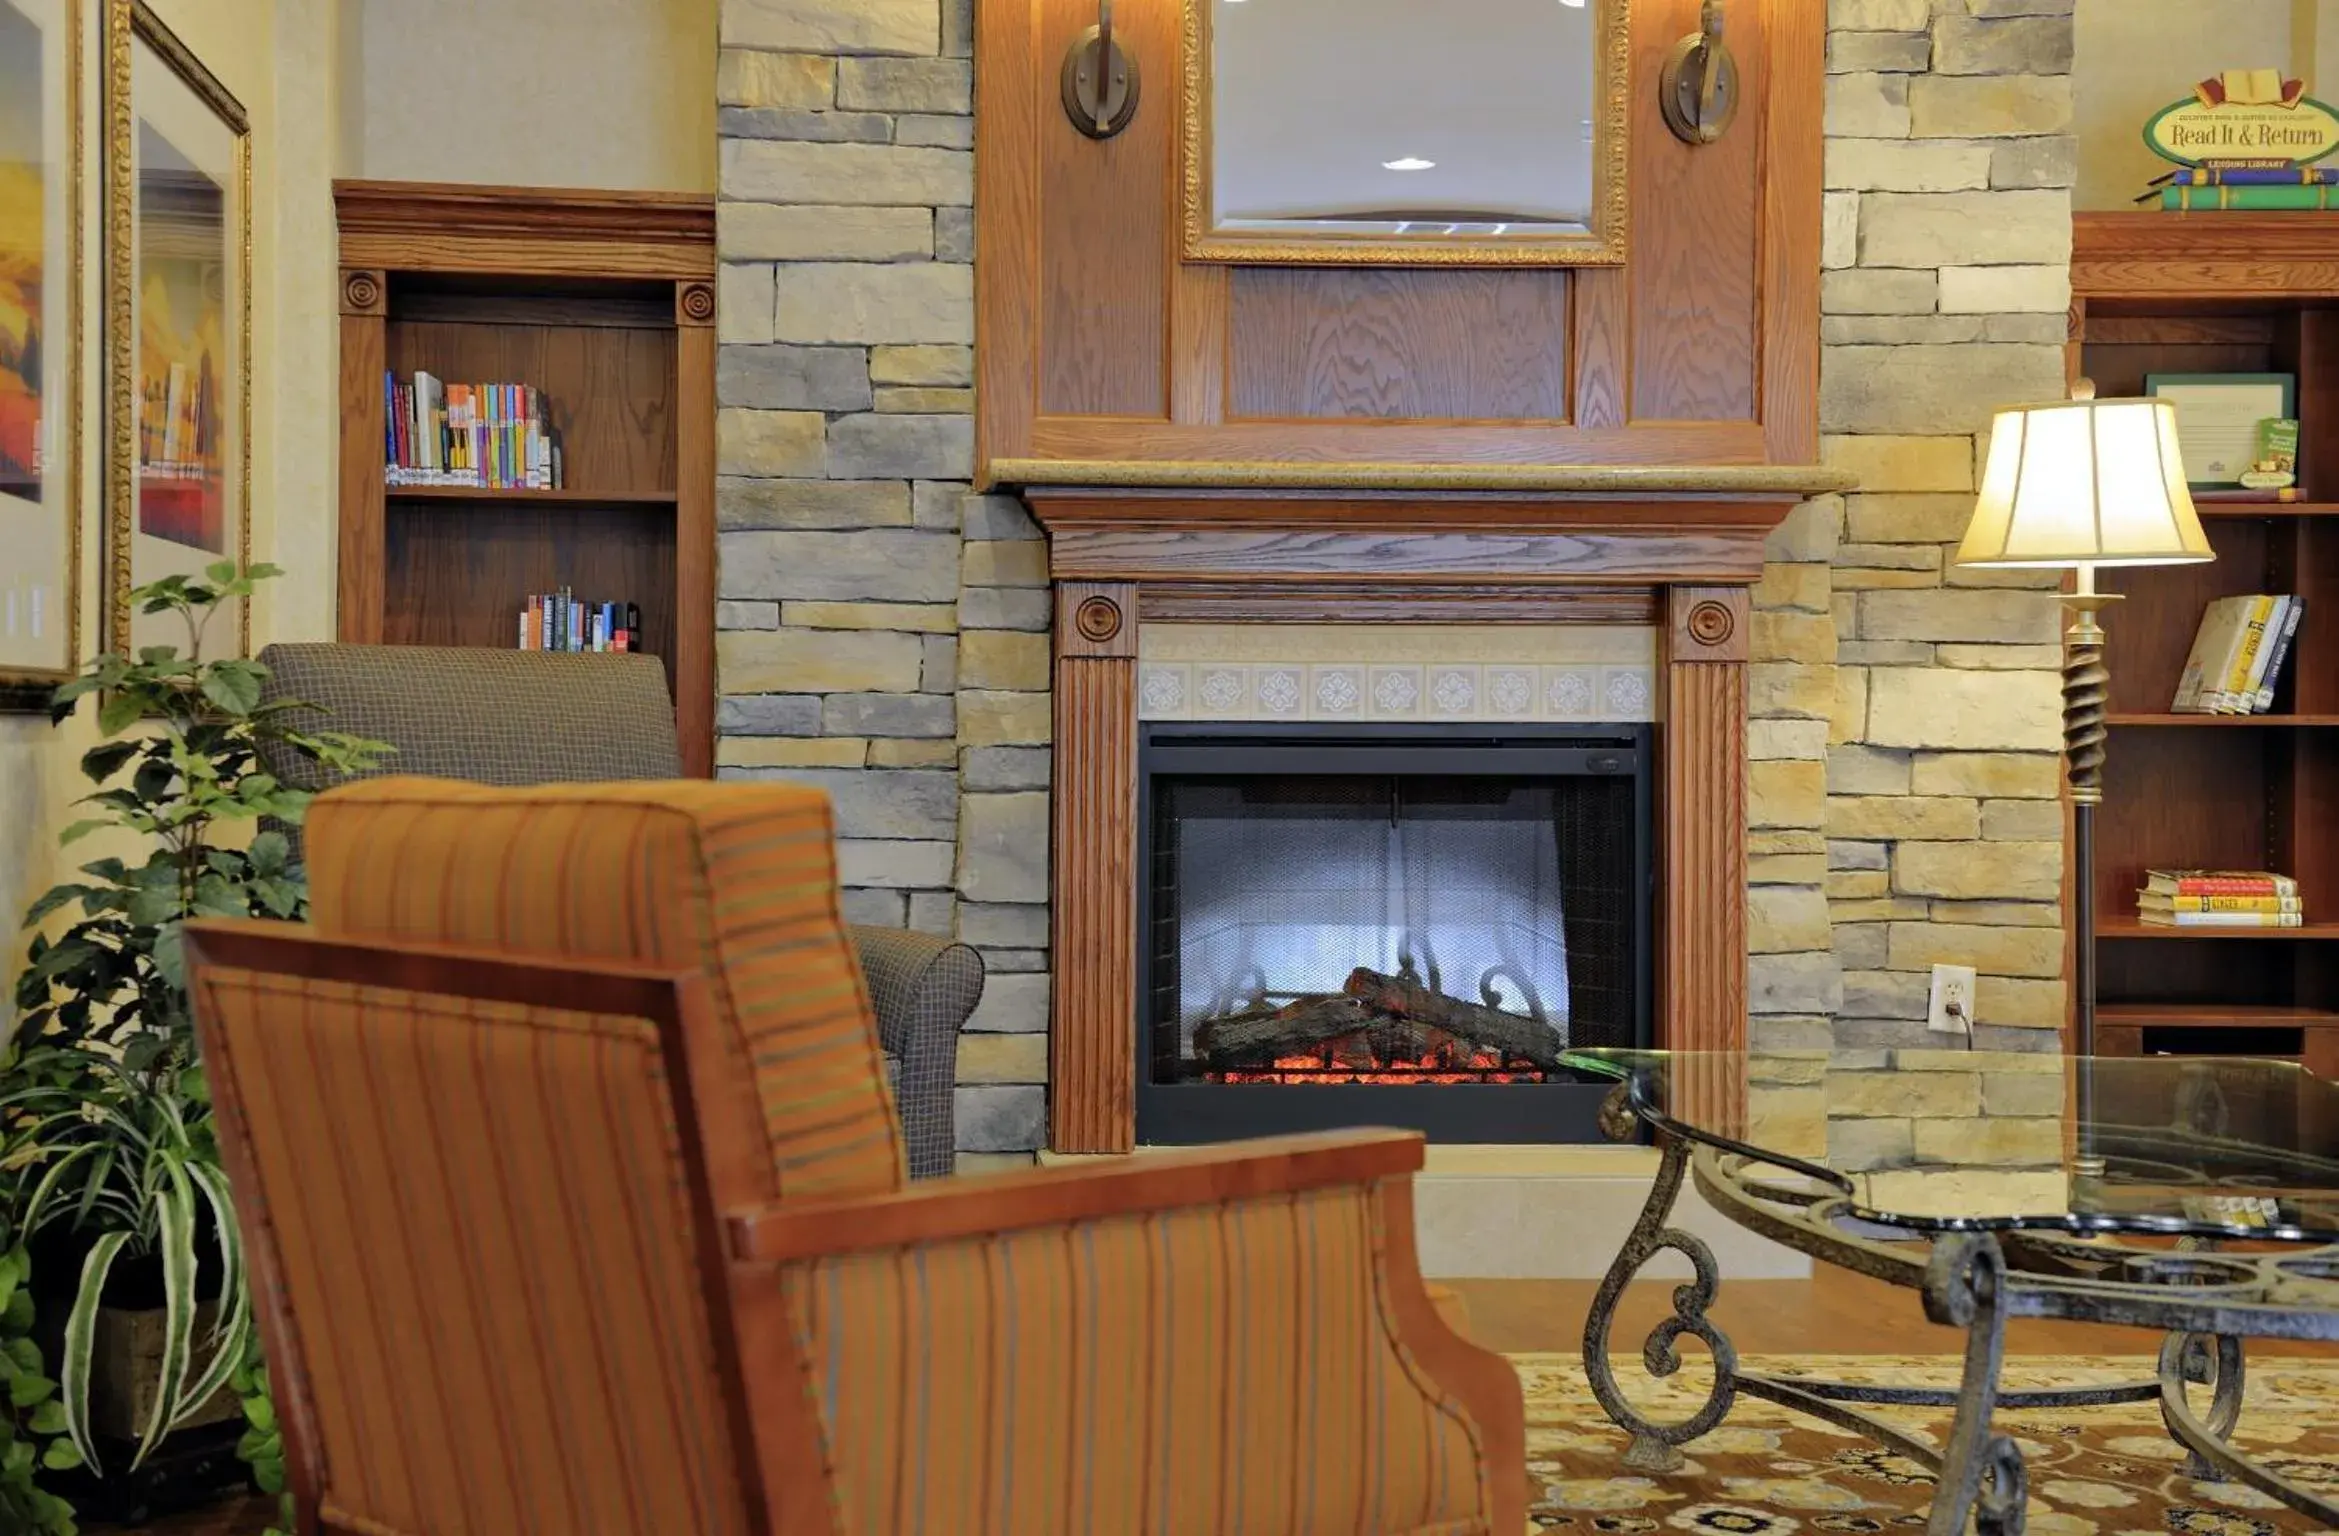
point(2085, 482)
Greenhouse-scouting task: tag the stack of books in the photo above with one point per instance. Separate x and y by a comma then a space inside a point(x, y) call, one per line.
point(557, 621)
point(2238, 654)
point(488, 436)
point(2274, 187)
point(2218, 898)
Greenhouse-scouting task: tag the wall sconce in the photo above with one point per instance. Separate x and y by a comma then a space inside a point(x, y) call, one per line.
point(1100, 79)
point(1698, 91)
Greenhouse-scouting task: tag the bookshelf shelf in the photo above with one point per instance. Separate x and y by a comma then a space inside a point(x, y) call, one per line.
point(2278, 721)
point(2220, 293)
point(569, 497)
point(603, 304)
point(2130, 928)
point(2215, 509)
point(2218, 1015)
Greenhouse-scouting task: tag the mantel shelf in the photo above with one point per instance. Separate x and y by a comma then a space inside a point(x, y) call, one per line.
point(1592, 480)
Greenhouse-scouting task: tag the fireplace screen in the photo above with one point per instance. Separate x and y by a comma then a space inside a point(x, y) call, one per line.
point(1420, 929)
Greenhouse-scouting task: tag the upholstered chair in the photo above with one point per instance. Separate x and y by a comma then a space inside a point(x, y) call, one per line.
point(598, 1224)
point(544, 717)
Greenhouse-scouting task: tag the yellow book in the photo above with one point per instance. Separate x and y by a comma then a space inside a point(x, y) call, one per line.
point(2239, 694)
point(2155, 901)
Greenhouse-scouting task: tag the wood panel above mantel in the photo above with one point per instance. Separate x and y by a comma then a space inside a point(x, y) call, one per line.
point(1099, 345)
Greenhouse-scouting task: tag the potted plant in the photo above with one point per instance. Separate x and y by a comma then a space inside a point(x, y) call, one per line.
point(107, 1153)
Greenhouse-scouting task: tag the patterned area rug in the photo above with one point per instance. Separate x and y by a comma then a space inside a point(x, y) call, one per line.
point(1769, 1472)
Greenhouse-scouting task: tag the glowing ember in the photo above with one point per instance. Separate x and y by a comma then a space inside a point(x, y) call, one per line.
point(1351, 1060)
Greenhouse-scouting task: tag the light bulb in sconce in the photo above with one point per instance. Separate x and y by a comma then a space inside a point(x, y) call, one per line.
point(1408, 163)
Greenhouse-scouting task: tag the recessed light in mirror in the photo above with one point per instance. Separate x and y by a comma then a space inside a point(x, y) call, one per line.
point(1573, 5)
point(1408, 163)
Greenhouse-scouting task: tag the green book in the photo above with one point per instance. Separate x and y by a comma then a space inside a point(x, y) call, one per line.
point(2245, 199)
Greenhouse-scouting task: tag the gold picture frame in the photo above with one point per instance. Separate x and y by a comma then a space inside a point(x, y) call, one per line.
point(1602, 243)
point(178, 275)
point(42, 52)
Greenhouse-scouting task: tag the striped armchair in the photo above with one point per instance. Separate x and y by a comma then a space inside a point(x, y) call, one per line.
point(621, 1244)
point(543, 717)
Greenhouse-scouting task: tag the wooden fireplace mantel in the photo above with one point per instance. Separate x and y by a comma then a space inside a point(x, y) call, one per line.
point(1680, 560)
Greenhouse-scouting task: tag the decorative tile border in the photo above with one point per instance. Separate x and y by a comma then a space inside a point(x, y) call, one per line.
point(1426, 692)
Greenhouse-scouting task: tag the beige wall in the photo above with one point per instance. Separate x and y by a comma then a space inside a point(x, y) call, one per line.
point(267, 52)
point(2136, 56)
point(599, 93)
point(553, 93)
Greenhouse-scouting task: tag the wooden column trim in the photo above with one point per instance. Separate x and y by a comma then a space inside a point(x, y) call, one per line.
point(1092, 1046)
point(694, 525)
point(364, 349)
point(1701, 840)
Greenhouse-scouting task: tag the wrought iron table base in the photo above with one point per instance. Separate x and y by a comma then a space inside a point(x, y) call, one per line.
point(1965, 1284)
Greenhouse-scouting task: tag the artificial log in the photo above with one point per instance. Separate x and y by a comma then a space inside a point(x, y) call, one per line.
point(1256, 1036)
point(1515, 1037)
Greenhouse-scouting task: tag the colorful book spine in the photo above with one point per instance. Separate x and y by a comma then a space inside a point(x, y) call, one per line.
point(2155, 903)
point(2221, 919)
point(2245, 199)
point(559, 621)
point(2252, 176)
point(2290, 622)
point(486, 436)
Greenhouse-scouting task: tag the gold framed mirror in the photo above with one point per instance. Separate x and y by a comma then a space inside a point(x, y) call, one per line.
point(1382, 132)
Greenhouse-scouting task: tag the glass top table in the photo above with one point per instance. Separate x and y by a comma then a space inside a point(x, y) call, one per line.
point(2198, 1197)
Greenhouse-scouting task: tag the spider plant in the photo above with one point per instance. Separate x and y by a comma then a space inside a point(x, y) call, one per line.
point(127, 1153)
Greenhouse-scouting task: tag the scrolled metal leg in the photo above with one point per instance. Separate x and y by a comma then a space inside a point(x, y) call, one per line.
point(1982, 1475)
point(2204, 1361)
point(1656, 1447)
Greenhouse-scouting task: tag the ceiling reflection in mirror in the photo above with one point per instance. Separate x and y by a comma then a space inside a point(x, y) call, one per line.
point(1397, 121)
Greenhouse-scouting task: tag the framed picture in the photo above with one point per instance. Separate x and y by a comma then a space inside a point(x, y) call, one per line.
point(2218, 416)
point(178, 236)
point(40, 347)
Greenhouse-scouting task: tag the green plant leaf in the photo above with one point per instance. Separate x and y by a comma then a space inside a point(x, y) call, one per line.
point(26, 1389)
point(174, 1209)
point(81, 1340)
point(119, 711)
point(48, 1418)
point(234, 686)
point(60, 1456)
point(78, 830)
point(103, 761)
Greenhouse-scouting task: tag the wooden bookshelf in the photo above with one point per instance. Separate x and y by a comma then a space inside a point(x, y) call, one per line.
point(604, 302)
point(2221, 293)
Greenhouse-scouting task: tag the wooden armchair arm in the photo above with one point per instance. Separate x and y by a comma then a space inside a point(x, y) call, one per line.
point(1156, 1181)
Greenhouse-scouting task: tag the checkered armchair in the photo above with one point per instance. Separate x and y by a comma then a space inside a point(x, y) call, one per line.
point(519, 718)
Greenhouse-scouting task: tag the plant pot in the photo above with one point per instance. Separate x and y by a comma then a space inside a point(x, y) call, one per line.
point(196, 1462)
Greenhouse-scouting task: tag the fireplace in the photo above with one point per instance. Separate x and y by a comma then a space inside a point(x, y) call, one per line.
point(1388, 925)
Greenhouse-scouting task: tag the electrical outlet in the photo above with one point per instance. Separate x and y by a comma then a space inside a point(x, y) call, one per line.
point(1951, 1009)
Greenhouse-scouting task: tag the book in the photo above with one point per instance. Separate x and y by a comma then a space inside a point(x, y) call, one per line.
point(2277, 175)
point(2153, 919)
point(2232, 696)
point(494, 436)
point(2150, 901)
point(2216, 643)
point(2264, 703)
point(2238, 199)
point(558, 621)
point(2261, 655)
point(2219, 882)
point(2243, 493)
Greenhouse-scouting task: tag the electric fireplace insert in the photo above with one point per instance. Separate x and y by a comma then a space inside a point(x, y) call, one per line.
point(1392, 925)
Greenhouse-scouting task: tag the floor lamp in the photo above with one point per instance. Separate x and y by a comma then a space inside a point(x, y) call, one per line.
point(2075, 485)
